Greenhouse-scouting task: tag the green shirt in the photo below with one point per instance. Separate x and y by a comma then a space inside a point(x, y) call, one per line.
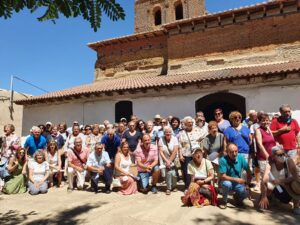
point(233, 169)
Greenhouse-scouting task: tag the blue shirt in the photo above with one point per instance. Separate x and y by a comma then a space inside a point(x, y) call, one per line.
point(96, 160)
point(239, 137)
point(111, 145)
point(222, 127)
point(233, 169)
point(34, 144)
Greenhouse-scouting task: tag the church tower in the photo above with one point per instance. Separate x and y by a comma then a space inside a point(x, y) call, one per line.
point(151, 14)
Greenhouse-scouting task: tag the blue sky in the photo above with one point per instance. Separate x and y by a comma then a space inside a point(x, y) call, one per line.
point(56, 56)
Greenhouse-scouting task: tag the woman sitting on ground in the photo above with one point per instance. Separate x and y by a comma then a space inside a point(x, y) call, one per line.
point(17, 169)
point(122, 171)
point(168, 148)
point(54, 160)
point(200, 191)
point(38, 174)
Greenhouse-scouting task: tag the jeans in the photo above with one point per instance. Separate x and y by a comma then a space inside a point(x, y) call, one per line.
point(171, 179)
point(292, 153)
point(106, 176)
point(229, 186)
point(42, 189)
point(144, 177)
point(186, 176)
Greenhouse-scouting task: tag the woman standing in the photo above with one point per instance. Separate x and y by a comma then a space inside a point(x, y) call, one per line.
point(38, 174)
point(168, 148)
point(11, 141)
point(188, 138)
point(141, 126)
point(265, 142)
point(238, 134)
point(152, 133)
point(17, 168)
point(213, 143)
point(122, 171)
point(54, 160)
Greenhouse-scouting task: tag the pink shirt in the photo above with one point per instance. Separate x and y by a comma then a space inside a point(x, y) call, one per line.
point(83, 155)
point(146, 157)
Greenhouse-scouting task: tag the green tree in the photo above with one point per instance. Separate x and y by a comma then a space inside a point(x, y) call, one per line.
point(90, 10)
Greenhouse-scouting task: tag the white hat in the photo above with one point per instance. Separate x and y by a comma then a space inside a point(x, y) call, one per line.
point(196, 148)
point(49, 123)
point(157, 116)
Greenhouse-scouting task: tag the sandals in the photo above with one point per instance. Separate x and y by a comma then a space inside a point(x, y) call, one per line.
point(223, 205)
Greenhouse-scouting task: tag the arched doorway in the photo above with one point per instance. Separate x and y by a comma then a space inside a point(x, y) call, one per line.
point(178, 10)
point(123, 109)
point(228, 102)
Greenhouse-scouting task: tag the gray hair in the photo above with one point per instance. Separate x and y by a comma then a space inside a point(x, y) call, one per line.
point(185, 119)
point(284, 106)
point(166, 128)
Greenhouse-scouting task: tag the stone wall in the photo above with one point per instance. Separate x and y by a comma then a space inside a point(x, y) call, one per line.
point(144, 12)
point(142, 56)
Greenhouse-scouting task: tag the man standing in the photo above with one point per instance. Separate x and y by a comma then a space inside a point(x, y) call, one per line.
point(146, 156)
point(77, 158)
point(230, 169)
point(111, 143)
point(99, 164)
point(35, 141)
point(286, 131)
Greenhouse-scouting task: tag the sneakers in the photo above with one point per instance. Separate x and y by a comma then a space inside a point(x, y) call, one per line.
point(154, 190)
point(70, 190)
point(296, 211)
point(168, 192)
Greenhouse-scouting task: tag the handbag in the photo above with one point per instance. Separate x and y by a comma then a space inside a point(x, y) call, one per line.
point(116, 182)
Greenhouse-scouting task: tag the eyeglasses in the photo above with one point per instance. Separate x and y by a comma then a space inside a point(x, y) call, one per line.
point(218, 114)
point(237, 117)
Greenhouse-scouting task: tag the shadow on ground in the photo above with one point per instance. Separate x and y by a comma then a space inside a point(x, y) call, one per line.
point(13, 217)
point(281, 215)
point(69, 216)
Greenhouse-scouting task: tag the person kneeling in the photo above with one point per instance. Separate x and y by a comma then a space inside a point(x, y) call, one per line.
point(146, 156)
point(230, 169)
point(99, 164)
point(281, 181)
point(200, 191)
point(38, 174)
point(77, 164)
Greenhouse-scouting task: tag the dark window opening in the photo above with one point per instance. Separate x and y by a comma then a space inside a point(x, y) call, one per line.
point(228, 102)
point(123, 109)
point(179, 12)
point(157, 17)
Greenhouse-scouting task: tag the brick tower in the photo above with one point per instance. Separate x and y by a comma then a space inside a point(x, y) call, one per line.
point(151, 14)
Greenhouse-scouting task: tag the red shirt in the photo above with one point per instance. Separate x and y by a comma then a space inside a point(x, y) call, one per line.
point(288, 139)
point(83, 155)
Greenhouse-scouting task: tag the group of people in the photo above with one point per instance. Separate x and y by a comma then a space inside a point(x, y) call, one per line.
point(222, 156)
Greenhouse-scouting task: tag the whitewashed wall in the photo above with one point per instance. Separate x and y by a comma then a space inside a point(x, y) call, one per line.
point(260, 98)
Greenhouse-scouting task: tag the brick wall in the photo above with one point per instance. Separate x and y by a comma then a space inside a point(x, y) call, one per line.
point(144, 12)
point(254, 33)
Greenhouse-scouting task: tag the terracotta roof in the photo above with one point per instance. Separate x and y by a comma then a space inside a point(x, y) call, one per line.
point(263, 7)
point(137, 83)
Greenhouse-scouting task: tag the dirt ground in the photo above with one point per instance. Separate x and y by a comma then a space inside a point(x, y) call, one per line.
point(83, 207)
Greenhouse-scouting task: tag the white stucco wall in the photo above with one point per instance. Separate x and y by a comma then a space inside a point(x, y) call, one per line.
point(266, 98)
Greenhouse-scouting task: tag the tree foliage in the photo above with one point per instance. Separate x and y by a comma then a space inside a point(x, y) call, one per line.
point(90, 10)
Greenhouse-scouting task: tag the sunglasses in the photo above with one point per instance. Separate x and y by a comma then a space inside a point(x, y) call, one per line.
point(237, 117)
point(279, 155)
point(218, 114)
